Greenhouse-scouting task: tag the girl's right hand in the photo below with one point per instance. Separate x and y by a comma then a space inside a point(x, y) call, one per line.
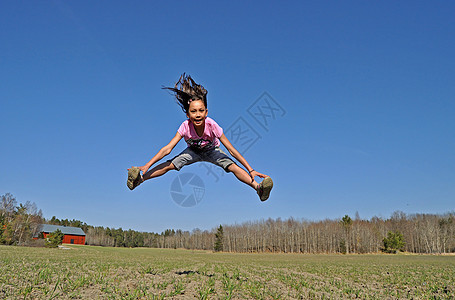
point(143, 169)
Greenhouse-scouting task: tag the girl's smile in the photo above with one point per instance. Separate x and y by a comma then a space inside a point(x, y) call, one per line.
point(197, 112)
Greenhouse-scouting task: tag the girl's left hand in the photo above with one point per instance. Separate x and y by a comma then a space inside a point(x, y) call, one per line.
point(255, 173)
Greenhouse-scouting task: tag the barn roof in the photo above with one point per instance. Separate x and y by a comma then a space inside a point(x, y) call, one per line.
point(63, 229)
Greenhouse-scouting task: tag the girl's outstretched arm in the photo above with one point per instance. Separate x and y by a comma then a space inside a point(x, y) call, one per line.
point(240, 158)
point(162, 153)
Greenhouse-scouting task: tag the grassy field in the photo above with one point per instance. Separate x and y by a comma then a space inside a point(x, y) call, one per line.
point(118, 273)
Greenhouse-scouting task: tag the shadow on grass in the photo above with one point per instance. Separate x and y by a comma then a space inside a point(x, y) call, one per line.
point(193, 273)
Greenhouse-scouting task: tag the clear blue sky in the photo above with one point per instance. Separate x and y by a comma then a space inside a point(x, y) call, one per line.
point(367, 89)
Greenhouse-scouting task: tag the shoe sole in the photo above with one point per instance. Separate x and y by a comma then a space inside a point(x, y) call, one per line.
point(267, 185)
point(133, 175)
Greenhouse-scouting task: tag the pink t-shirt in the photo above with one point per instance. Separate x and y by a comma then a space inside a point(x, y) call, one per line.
point(208, 140)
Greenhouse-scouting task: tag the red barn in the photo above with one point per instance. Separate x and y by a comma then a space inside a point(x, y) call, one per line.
point(71, 235)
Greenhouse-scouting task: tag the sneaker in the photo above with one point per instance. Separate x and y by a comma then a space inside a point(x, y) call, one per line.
point(264, 188)
point(134, 178)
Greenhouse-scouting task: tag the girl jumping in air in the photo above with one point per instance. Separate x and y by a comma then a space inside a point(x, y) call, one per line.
point(203, 136)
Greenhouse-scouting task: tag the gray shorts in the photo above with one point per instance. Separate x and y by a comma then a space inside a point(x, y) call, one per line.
point(215, 156)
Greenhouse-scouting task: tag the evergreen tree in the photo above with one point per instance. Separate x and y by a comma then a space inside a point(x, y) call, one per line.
point(219, 239)
point(393, 242)
point(54, 239)
point(346, 222)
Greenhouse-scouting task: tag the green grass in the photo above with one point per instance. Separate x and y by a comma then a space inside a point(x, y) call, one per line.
point(85, 272)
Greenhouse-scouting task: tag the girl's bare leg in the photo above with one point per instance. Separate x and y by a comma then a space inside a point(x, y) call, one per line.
point(158, 170)
point(242, 175)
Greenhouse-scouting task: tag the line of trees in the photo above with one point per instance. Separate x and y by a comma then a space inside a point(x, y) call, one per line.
point(417, 233)
point(421, 233)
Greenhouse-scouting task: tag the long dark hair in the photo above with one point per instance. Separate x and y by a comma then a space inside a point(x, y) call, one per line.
point(186, 90)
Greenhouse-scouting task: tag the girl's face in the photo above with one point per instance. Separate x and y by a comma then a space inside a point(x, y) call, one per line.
point(197, 113)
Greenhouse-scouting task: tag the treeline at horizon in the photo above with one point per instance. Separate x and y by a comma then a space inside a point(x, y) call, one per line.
point(422, 233)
